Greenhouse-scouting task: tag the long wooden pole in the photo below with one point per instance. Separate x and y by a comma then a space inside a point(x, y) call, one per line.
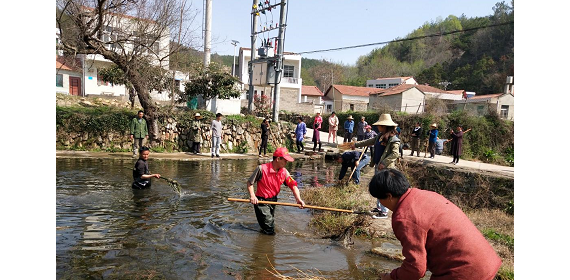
point(293, 204)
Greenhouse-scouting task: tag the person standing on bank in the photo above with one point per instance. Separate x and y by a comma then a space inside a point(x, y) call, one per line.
point(264, 137)
point(317, 132)
point(435, 234)
point(370, 134)
point(300, 133)
point(348, 128)
point(216, 135)
point(139, 132)
point(141, 174)
point(386, 152)
point(268, 177)
point(432, 139)
point(361, 129)
point(416, 134)
point(333, 127)
point(457, 143)
point(196, 127)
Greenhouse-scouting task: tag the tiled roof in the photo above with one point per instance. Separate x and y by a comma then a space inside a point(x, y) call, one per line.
point(426, 88)
point(404, 78)
point(459, 91)
point(66, 63)
point(486, 96)
point(311, 91)
point(352, 90)
point(394, 90)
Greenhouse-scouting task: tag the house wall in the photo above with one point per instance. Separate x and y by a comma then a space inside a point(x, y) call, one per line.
point(92, 88)
point(65, 75)
point(444, 96)
point(387, 82)
point(509, 100)
point(288, 101)
point(360, 103)
point(407, 101)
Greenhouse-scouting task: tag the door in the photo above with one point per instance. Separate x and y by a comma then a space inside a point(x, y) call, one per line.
point(74, 86)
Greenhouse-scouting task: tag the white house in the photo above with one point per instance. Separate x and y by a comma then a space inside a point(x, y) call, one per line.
point(404, 98)
point(119, 27)
point(68, 76)
point(501, 103)
point(349, 98)
point(385, 83)
point(290, 85)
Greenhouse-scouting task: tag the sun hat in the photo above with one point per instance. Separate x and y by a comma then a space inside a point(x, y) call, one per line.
point(350, 117)
point(434, 125)
point(284, 153)
point(197, 115)
point(385, 119)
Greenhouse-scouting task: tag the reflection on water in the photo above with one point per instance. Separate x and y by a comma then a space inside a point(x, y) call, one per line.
point(104, 229)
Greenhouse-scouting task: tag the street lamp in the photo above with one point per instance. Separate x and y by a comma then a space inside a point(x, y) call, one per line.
point(234, 42)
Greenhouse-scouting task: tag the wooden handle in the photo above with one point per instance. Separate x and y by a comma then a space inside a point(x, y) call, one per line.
point(291, 204)
point(354, 168)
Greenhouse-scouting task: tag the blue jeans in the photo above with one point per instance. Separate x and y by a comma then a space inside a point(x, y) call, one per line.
point(362, 163)
point(379, 205)
point(216, 141)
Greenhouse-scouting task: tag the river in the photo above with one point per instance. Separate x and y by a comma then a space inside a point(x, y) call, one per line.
point(105, 230)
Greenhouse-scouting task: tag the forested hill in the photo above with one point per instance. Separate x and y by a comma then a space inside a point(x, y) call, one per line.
point(478, 59)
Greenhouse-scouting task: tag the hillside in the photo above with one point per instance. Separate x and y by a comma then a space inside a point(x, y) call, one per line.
point(478, 59)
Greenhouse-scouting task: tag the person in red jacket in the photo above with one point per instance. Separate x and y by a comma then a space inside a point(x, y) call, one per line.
point(269, 177)
point(435, 234)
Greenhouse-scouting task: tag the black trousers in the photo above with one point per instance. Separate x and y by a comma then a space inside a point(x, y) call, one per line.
point(196, 147)
point(455, 158)
point(263, 145)
point(347, 137)
point(265, 214)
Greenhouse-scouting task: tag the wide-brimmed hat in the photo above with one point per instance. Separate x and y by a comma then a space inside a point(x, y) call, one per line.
point(350, 118)
point(385, 119)
point(197, 115)
point(434, 125)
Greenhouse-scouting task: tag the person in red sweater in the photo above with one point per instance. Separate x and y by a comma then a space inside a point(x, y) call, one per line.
point(269, 177)
point(435, 234)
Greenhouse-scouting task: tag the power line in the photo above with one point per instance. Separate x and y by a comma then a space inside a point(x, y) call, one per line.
point(410, 39)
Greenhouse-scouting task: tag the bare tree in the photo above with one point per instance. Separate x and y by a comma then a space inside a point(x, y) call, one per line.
point(134, 35)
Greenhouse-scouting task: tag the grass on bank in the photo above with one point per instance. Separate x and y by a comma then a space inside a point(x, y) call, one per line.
point(496, 225)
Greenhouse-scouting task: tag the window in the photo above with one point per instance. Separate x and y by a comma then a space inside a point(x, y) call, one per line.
point(370, 85)
point(480, 109)
point(391, 85)
point(288, 71)
point(101, 82)
point(329, 108)
point(59, 80)
point(381, 86)
point(352, 107)
point(504, 111)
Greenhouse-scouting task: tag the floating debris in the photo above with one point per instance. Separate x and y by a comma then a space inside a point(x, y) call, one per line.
point(173, 184)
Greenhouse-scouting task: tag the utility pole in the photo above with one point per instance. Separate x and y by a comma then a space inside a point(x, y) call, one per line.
point(234, 42)
point(207, 32)
point(250, 64)
point(279, 61)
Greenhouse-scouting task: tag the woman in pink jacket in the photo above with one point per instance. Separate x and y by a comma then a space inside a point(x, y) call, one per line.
point(435, 234)
point(317, 131)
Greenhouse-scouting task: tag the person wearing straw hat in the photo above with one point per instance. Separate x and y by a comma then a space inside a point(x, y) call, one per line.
point(386, 152)
point(269, 177)
point(432, 139)
point(348, 128)
point(196, 128)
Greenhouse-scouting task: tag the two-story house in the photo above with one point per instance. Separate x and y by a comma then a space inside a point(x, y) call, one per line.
point(124, 35)
point(290, 98)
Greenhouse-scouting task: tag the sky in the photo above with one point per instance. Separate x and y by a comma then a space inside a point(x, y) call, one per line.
point(324, 24)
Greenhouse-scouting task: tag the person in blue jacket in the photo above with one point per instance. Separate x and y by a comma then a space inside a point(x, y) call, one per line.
point(348, 128)
point(351, 159)
point(433, 132)
point(300, 132)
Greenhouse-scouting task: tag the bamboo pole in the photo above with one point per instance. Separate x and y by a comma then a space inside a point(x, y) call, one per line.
point(293, 204)
point(354, 169)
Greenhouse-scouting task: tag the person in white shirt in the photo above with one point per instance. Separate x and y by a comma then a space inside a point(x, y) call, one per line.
point(333, 127)
point(216, 135)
